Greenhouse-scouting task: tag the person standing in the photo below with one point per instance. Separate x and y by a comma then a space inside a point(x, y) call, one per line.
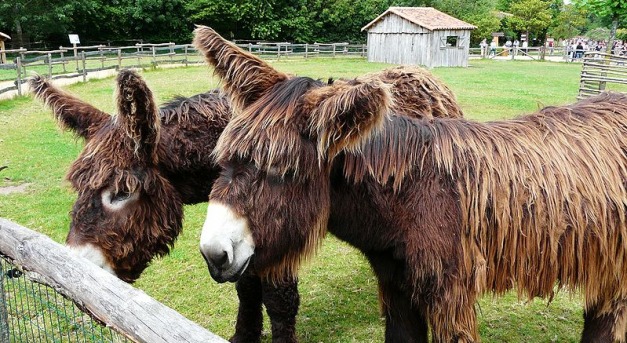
point(484, 48)
point(579, 50)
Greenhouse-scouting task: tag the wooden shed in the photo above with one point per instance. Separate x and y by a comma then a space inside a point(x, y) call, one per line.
point(419, 36)
point(3, 56)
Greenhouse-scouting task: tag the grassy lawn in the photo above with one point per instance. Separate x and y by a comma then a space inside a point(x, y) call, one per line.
point(338, 290)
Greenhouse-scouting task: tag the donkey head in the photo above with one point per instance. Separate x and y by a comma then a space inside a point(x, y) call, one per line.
point(126, 211)
point(272, 199)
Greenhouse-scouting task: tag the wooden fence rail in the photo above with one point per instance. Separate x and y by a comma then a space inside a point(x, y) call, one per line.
point(79, 61)
point(127, 310)
point(599, 70)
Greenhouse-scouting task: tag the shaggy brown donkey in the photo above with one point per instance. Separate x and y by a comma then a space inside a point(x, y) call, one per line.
point(444, 209)
point(136, 171)
point(187, 125)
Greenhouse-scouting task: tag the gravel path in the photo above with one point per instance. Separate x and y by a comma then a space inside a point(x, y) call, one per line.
point(59, 82)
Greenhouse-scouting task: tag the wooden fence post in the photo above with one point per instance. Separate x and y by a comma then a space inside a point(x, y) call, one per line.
point(185, 58)
point(18, 61)
point(76, 57)
point(119, 59)
point(139, 59)
point(154, 56)
point(306, 49)
point(333, 50)
point(602, 84)
point(363, 50)
point(84, 66)
point(49, 65)
point(62, 60)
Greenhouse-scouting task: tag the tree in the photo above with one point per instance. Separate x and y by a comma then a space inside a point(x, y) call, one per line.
point(569, 22)
point(479, 13)
point(614, 10)
point(486, 24)
point(530, 16)
point(343, 20)
point(600, 34)
point(123, 20)
point(37, 18)
point(267, 19)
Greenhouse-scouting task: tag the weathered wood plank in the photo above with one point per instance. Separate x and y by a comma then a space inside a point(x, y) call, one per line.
point(122, 307)
point(396, 40)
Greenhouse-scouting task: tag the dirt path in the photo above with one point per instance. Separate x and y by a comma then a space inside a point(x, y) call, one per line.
point(59, 82)
point(14, 189)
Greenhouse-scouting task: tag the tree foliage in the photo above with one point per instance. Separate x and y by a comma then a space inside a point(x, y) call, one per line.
point(530, 16)
point(613, 10)
point(120, 21)
point(569, 22)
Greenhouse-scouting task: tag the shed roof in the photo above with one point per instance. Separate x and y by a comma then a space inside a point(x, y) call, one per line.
point(427, 17)
point(4, 36)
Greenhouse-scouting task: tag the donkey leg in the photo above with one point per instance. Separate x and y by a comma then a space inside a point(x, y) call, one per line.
point(601, 327)
point(282, 300)
point(403, 322)
point(249, 316)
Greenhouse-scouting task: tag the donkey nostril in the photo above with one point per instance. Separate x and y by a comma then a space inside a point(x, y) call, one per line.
point(218, 258)
point(221, 259)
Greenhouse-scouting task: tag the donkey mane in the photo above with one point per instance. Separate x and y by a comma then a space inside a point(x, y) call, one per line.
point(260, 146)
point(427, 98)
point(499, 170)
point(209, 104)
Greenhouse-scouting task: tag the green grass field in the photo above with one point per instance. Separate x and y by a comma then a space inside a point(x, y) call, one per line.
point(338, 290)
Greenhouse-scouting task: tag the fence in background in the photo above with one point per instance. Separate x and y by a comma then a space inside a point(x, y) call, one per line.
point(600, 71)
point(529, 53)
point(70, 62)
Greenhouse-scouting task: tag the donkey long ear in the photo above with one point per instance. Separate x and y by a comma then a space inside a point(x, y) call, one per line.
point(70, 112)
point(245, 76)
point(138, 113)
point(344, 115)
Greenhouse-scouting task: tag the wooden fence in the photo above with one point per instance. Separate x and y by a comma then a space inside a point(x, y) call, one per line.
point(529, 53)
point(71, 62)
point(600, 71)
point(104, 297)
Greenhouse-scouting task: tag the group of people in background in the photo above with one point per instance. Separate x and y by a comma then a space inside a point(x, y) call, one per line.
point(512, 48)
point(574, 48)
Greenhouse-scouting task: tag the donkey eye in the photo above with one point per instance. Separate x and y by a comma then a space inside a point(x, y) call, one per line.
point(116, 201)
point(276, 176)
point(120, 196)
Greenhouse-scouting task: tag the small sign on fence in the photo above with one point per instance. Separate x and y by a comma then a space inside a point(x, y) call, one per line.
point(74, 39)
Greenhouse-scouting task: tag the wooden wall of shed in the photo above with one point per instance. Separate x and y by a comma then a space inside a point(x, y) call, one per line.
point(396, 40)
point(450, 56)
point(399, 48)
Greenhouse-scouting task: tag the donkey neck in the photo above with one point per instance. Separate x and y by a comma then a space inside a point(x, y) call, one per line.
point(190, 128)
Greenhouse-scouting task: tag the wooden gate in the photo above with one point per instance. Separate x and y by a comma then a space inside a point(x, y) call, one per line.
point(602, 72)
